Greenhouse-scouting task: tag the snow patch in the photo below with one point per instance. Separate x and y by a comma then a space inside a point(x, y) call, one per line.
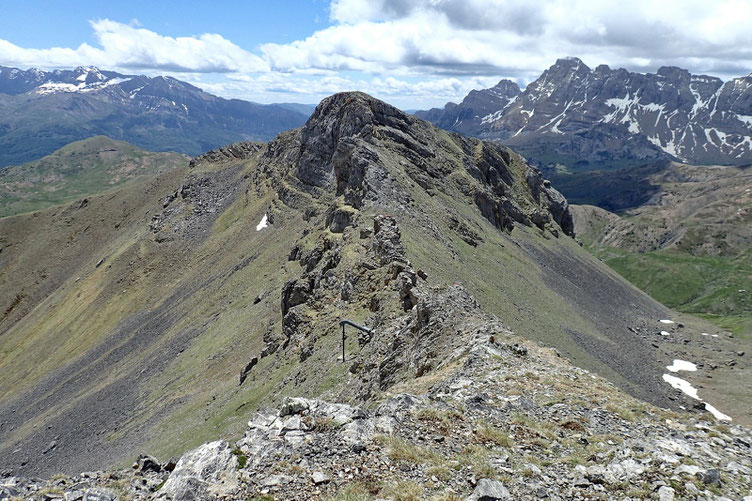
point(715, 412)
point(666, 321)
point(263, 223)
point(747, 119)
point(664, 333)
point(492, 117)
point(691, 391)
point(681, 365)
point(56, 87)
point(681, 385)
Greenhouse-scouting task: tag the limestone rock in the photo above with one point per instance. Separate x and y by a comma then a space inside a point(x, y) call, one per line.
point(489, 490)
point(209, 470)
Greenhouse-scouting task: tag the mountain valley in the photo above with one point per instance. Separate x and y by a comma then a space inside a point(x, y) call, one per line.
point(688, 245)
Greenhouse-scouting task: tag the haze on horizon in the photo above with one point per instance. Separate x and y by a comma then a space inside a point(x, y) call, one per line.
point(414, 54)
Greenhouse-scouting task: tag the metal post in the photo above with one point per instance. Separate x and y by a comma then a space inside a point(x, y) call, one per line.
point(353, 324)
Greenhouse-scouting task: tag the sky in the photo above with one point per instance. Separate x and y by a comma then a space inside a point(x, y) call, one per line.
point(412, 53)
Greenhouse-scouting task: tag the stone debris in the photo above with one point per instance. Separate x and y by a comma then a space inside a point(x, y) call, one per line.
point(498, 425)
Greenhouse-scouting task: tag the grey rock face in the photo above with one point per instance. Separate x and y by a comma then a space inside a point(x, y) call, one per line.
point(589, 119)
point(201, 473)
point(334, 149)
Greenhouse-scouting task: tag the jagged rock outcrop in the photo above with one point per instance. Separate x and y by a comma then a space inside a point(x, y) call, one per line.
point(348, 146)
point(234, 151)
point(593, 119)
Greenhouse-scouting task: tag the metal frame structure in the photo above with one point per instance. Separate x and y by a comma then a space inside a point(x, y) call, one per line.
point(343, 323)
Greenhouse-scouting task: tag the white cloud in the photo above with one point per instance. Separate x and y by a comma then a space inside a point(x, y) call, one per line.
point(127, 47)
point(408, 94)
point(428, 51)
point(501, 36)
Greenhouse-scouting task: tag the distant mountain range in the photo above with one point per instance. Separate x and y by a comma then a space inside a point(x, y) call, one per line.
point(587, 119)
point(42, 111)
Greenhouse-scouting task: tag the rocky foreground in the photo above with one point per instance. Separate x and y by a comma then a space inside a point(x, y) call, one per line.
point(500, 419)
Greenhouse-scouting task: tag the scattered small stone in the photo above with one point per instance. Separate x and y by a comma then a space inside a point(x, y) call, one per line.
point(320, 477)
point(666, 493)
point(711, 477)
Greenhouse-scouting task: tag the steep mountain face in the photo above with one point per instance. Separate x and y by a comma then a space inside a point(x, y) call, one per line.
point(161, 315)
point(487, 104)
point(43, 111)
point(76, 170)
point(598, 119)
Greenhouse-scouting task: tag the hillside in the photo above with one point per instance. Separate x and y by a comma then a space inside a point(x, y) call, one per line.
point(127, 326)
point(43, 111)
point(579, 119)
point(77, 170)
point(688, 245)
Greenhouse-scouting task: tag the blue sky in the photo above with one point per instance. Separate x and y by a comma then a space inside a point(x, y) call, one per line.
point(413, 53)
point(65, 23)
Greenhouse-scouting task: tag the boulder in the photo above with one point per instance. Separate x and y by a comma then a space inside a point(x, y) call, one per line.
point(210, 470)
point(320, 477)
point(146, 463)
point(489, 490)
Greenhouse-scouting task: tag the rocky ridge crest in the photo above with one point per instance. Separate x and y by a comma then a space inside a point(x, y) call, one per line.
point(605, 118)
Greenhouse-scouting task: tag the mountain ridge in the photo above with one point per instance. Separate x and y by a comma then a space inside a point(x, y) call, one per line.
point(42, 111)
point(591, 119)
point(216, 289)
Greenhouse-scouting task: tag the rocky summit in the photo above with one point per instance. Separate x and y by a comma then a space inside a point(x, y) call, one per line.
point(602, 118)
point(199, 320)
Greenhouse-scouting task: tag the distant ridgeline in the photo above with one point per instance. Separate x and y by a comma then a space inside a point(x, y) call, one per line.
point(43, 111)
point(577, 119)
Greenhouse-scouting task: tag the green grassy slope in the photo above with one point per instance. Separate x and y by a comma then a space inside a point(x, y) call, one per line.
point(717, 288)
point(689, 248)
point(124, 324)
point(77, 170)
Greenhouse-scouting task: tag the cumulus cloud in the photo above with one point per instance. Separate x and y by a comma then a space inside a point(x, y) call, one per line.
point(497, 36)
point(428, 50)
point(407, 93)
point(127, 46)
